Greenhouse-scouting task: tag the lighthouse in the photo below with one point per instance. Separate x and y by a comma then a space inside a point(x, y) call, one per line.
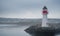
point(44, 19)
point(44, 29)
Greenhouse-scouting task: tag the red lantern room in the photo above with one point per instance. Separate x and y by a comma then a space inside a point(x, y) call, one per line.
point(45, 10)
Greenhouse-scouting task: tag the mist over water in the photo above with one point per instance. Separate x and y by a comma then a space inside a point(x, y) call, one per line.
point(16, 27)
point(13, 31)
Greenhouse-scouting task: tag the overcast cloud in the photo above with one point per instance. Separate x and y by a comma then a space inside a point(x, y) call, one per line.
point(29, 8)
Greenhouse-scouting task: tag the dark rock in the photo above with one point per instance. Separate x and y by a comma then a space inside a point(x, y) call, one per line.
point(37, 30)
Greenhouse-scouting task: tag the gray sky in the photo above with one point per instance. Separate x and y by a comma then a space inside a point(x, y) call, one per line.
point(29, 8)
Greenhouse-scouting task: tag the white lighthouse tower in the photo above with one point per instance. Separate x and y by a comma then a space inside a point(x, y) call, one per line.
point(44, 20)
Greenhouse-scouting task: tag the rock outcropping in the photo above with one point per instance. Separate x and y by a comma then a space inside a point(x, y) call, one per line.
point(37, 30)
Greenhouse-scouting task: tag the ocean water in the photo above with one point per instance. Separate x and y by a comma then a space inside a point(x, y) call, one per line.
point(13, 30)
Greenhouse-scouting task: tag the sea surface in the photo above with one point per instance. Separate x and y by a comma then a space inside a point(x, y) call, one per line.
point(12, 30)
point(16, 27)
